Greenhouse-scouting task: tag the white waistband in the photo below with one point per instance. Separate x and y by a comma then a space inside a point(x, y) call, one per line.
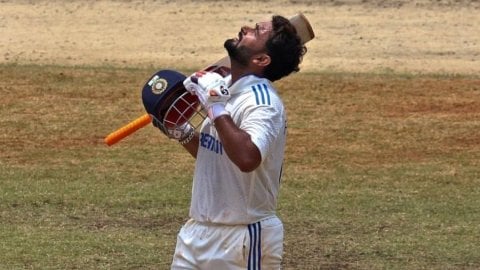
point(268, 221)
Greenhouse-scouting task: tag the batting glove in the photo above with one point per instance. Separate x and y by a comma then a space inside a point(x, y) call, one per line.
point(180, 133)
point(211, 90)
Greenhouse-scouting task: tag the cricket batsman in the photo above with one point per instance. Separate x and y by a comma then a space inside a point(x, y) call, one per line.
point(239, 151)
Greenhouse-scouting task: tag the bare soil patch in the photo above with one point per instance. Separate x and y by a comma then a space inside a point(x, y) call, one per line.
point(352, 35)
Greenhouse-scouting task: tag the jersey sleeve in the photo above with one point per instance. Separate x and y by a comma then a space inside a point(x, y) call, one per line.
point(264, 120)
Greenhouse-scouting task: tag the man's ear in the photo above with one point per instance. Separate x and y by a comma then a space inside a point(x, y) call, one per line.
point(262, 59)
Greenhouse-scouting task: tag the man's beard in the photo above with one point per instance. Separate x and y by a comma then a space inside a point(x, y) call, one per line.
point(239, 54)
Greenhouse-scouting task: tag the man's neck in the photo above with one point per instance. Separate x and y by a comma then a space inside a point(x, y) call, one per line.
point(238, 71)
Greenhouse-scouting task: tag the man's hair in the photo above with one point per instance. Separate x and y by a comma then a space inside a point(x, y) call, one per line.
point(284, 48)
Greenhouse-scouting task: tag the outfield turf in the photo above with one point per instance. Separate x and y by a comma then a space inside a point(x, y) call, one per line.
point(381, 172)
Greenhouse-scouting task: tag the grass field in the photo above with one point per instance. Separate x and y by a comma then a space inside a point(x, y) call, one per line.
point(382, 172)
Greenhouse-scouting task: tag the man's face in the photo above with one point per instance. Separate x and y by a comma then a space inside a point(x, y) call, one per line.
point(250, 41)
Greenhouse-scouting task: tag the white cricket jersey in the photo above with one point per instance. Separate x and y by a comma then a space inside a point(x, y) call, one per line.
point(221, 192)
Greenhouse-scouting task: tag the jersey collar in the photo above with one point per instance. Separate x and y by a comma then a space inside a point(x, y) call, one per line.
point(243, 83)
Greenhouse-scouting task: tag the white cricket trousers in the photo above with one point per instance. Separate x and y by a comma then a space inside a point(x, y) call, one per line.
point(207, 246)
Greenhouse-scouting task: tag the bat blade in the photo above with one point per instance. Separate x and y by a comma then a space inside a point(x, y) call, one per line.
point(303, 27)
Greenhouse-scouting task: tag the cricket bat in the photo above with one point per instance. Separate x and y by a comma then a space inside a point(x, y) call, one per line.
point(222, 66)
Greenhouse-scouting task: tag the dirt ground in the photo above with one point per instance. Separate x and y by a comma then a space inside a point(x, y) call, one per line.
point(429, 36)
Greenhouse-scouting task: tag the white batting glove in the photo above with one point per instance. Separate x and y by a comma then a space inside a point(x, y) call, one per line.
point(211, 90)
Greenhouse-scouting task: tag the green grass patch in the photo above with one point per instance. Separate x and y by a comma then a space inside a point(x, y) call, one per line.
point(381, 172)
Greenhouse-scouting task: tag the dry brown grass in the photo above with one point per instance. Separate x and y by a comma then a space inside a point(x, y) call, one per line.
point(381, 172)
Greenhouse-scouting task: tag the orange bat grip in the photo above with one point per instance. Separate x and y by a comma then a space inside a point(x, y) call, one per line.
point(128, 129)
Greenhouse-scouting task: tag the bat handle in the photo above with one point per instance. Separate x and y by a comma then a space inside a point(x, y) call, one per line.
point(128, 129)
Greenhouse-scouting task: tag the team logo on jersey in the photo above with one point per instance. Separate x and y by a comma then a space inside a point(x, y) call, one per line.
point(158, 85)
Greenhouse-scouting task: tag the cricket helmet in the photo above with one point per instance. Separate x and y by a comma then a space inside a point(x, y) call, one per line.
point(166, 99)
